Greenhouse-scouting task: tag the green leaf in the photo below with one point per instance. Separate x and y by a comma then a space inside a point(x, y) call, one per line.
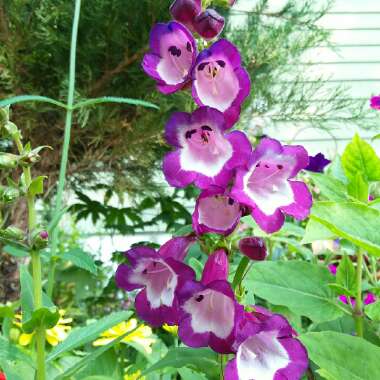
point(37, 185)
point(81, 259)
point(355, 222)
point(358, 188)
point(240, 271)
point(80, 336)
point(6, 311)
point(360, 157)
point(373, 311)
point(300, 286)
point(16, 252)
point(346, 275)
point(330, 187)
point(316, 231)
point(112, 99)
point(98, 377)
point(200, 360)
point(91, 357)
point(344, 357)
point(46, 316)
point(56, 219)
point(30, 98)
point(197, 266)
point(185, 230)
point(9, 351)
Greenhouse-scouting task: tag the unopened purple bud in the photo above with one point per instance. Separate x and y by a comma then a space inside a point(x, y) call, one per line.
point(253, 247)
point(185, 11)
point(375, 102)
point(209, 24)
point(44, 235)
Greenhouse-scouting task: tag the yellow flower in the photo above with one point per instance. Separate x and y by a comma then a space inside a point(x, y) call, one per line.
point(134, 376)
point(54, 335)
point(140, 336)
point(172, 329)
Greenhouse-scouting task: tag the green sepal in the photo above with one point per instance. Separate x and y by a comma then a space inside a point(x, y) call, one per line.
point(44, 317)
point(8, 160)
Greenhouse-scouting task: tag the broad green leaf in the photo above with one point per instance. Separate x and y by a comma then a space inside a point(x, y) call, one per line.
point(330, 187)
point(6, 311)
point(98, 377)
point(360, 157)
point(80, 336)
point(373, 311)
point(17, 370)
point(81, 259)
point(294, 245)
point(185, 230)
point(300, 286)
point(30, 98)
point(85, 361)
point(37, 185)
point(188, 374)
point(244, 262)
point(201, 360)
point(335, 169)
point(46, 316)
point(346, 275)
point(14, 251)
point(112, 99)
point(355, 222)
point(358, 188)
point(344, 357)
point(316, 231)
point(11, 352)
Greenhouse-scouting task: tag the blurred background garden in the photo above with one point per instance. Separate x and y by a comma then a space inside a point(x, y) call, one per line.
point(313, 66)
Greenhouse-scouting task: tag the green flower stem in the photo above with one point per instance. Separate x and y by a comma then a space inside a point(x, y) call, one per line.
point(36, 267)
point(358, 309)
point(66, 144)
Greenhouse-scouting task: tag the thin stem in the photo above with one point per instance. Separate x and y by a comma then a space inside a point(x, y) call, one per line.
point(36, 268)
point(66, 143)
point(358, 312)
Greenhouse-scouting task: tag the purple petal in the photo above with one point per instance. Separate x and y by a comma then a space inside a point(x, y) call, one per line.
point(317, 163)
point(300, 208)
point(268, 223)
point(174, 174)
point(242, 149)
point(216, 267)
point(253, 247)
point(332, 268)
point(171, 57)
point(176, 247)
point(209, 24)
point(219, 80)
point(231, 372)
point(299, 153)
point(157, 316)
point(173, 127)
point(137, 253)
point(375, 102)
point(370, 298)
point(215, 212)
point(122, 275)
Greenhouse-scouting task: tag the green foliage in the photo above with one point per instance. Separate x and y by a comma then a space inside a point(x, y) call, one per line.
point(300, 286)
point(81, 259)
point(342, 356)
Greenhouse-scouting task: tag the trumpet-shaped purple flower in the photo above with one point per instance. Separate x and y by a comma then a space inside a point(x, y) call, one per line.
point(375, 102)
point(268, 186)
point(266, 350)
point(253, 247)
point(209, 309)
point(185, 11)
point(171, 58)
point(209, 24)
point(220, 81)
point(215, 211)
point(204, 154)
point(317, 163)
point(159, 274)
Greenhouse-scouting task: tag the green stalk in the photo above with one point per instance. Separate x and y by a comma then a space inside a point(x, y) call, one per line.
point(358, 309)
point(36, 268)
point(66, 144)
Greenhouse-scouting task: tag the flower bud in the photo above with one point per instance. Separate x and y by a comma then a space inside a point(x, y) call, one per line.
point(40, 239)
point(209, 24)
point(253, 247)
point(12, 233)
point(8, 160)
point(14, 335)
point(9, 194)
point(4, 116)
point(185, 11)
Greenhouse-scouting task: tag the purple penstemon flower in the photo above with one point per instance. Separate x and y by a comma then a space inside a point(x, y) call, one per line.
point(215, 211)
point(317, 163)
point(159, 275)
point(220, 81)
point(268, 186)
point(253, 247)
point(205, 155)
point(173, 51)
point(209, 309)
point(266, 350)
point(375, 102)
